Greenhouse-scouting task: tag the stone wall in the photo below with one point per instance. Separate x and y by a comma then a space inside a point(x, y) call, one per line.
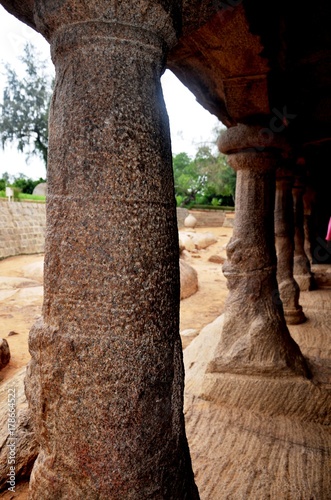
point(22, 228)
point(205, 218)
point(209, 218)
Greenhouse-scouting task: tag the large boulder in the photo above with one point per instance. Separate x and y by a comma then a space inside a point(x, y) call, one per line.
point(4, 353)
point(190, 221)
point(17, 439)
point(196, 241)
point(188, 280)
point(186, 242)
point(40, 189)
point(203, 240)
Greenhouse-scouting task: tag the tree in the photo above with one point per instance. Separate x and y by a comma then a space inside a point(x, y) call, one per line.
point(24, 110)
point(25, 184)
point(206, 179)
point(188, 182)
point(220, 178)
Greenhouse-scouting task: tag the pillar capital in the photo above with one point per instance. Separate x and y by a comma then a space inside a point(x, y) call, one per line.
point(249, 148)
point(117, 18)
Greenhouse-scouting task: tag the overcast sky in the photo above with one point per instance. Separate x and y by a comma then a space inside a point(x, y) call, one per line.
point(190, 124)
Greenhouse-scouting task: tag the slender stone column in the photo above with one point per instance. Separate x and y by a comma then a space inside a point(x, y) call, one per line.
point(255, 339)
point(301, 269)
point(284, 230)
point(308, 208)
point(105, 383)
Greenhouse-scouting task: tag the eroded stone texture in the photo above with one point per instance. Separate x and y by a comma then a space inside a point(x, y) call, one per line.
point(301, 268)
point(23, 443)
point(105, 384)
point(188, 280)
point(284, 230)
point(254, 338)
point(4, 353)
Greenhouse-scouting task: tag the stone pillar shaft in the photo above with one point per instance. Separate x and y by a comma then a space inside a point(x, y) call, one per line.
point(254, 339)
point(301, 268)
point(105, 383)
point(284, 231)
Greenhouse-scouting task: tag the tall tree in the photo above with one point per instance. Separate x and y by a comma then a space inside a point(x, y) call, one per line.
point(204, 179)
point(220, 178)
point(24, 110)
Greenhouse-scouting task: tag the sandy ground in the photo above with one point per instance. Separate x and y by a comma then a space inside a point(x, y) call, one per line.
point(208, 303)
point(21, 294)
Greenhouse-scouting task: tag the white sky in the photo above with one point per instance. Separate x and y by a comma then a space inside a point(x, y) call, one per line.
point(190, 123)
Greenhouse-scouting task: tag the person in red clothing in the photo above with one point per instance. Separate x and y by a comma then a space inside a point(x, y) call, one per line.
point(328, 234)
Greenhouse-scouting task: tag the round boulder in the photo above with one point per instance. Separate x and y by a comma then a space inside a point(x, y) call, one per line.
point(190, 221)
point(188, 280)
point(40, 189)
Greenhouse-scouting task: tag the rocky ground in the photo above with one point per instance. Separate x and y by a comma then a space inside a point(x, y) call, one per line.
point(21, 295)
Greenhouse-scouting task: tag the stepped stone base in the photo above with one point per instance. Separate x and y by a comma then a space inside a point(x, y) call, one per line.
point(256, 437)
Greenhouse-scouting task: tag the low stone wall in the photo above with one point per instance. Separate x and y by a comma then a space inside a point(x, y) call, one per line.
point(206, 218)
point(22, 228)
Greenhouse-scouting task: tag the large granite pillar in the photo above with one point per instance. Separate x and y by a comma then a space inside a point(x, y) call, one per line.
point(284, 231)
point(105, 383)
point(254, 339)
point(301, 268)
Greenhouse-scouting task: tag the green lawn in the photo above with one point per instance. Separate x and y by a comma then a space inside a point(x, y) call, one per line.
point(24, 196)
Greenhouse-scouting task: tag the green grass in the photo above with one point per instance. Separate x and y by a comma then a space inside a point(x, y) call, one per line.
point(35, 197)
point(211, 207)
point(25, 196)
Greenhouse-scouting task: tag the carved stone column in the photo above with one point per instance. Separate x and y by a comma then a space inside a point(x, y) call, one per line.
point(255, 339)
point(284, 231)
point(105, 383)
point(301, 269)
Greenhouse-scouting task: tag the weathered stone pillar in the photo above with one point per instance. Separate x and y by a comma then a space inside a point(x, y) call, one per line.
point(301, 268)
point(308, 208)
point(284, 231)
point(105, 383)
point(255, 339)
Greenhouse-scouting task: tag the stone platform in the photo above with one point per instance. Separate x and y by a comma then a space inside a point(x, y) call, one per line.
point(257, 438)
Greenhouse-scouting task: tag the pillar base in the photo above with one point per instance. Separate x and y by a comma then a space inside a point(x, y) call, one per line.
point(305, 282)
point(258, 345)
point(294, 316)
point(250, 419)
point(289, 293)
point(302, 273)
point(247, 359)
